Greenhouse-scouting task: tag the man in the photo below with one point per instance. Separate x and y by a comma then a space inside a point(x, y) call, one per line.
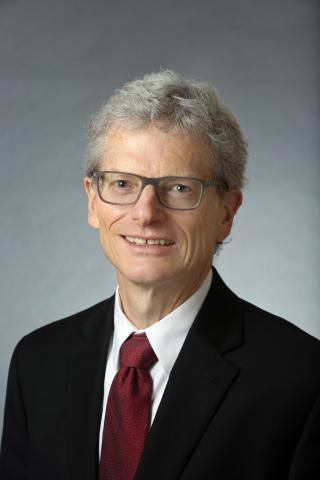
point(174, 377)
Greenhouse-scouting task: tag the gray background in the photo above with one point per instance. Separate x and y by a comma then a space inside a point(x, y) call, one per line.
point(60, 59)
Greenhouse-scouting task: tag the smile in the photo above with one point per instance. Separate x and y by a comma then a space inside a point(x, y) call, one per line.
point(149, 241)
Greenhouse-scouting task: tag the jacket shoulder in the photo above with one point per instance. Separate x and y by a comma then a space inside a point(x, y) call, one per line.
point(274, 333)
point(57, 333)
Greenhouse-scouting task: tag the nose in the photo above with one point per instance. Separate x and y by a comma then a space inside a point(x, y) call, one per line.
point(147, 209)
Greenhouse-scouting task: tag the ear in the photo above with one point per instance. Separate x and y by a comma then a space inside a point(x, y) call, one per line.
point(230, 204)
point(91, 191)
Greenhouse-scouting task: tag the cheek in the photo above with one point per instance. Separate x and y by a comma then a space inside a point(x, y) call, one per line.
point(207, 239)
point(200, 240)
point(109, 225)
point(104, 235)
point(104, 240)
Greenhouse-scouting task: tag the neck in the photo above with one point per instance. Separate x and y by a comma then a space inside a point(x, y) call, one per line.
point(145, 305)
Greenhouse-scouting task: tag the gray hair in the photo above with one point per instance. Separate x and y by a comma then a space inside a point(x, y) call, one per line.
point(168, 100)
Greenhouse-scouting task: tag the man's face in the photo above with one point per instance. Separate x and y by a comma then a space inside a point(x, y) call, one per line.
point(193, 234)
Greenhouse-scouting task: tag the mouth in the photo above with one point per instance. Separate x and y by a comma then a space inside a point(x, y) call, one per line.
point(164, 242)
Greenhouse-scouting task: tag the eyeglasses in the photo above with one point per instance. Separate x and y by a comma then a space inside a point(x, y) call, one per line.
point(178, 193)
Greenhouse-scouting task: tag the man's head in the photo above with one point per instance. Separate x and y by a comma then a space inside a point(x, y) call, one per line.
point(164, 126)
point(171, 102)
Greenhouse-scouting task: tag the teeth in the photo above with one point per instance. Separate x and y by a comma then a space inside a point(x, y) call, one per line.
point(142, 241)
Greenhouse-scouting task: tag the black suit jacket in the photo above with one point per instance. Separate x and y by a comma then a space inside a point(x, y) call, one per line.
point(242, 400)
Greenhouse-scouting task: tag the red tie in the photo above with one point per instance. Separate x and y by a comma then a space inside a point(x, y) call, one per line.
point(128, 412)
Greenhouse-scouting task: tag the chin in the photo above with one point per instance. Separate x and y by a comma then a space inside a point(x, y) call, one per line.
point(145, 276)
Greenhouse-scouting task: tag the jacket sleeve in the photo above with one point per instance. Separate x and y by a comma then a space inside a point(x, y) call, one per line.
point(13, 455)
point(306, 460)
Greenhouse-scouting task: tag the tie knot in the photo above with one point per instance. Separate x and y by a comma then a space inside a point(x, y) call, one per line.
point(137, 352)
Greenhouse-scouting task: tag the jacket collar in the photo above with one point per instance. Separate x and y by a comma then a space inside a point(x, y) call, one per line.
point(197, 385)
point(86, 363)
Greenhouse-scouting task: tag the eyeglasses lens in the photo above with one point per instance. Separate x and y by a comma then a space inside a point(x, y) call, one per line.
point(180, 193)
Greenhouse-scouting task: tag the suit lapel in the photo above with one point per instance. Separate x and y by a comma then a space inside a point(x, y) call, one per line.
point(198, 383)
point(86, 363)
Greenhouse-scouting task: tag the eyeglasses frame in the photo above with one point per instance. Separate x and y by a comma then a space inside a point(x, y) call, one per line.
point(154, 181)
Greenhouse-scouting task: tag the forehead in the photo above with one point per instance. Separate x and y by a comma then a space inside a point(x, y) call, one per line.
point(157, 152)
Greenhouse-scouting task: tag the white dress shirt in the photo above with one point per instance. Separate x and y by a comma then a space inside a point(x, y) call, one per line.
point(166, 337)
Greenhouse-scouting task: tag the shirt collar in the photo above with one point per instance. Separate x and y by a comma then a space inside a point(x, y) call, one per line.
point(166, 336)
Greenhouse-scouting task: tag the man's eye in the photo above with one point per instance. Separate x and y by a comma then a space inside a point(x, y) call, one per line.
point(180, 188)
point(121, 183)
